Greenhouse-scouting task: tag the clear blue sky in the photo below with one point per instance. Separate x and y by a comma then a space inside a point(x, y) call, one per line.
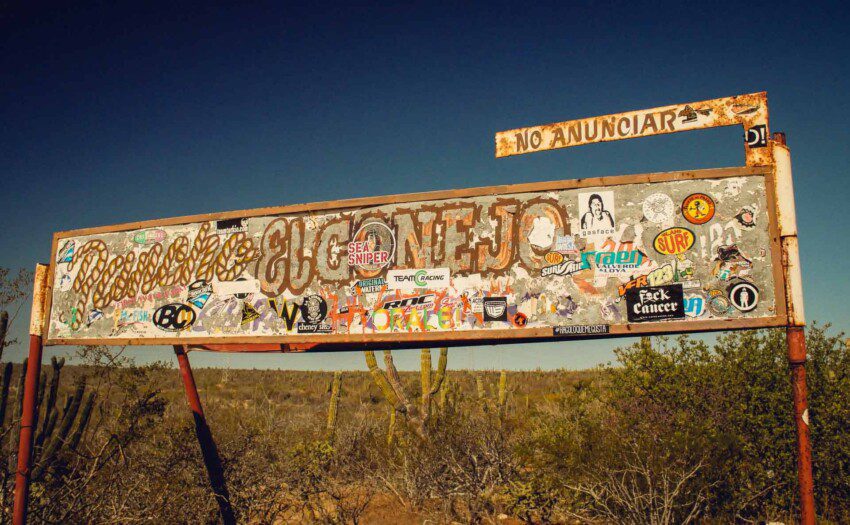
point(127, 112)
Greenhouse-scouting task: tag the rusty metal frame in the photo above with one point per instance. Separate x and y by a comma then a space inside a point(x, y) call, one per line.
point(749, 111)
point(329, 342)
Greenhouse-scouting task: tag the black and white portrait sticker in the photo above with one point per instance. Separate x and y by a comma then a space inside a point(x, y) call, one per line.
point(655, 303)
point(744, 296)
point(596, 212)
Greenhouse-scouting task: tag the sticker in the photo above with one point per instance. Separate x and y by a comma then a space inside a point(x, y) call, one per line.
point(690, 114)
point(698, 208)
point(314, 328)
point(368, 285)
point(673, 241)
point(657, 277)
point(240, 288)
point(746, 217)
point(372, 248)
point(554, 258)
point(65, 282)
point(423, 301)
point(587, 329)
point(174, 317)
point(744, 296)
point(655, 303)
point(228, 226)
point(566, 245)
point(149, 236)
point(314, 309)
point(94, 316)
point(718, 305)
point(757, 136)
point(619, 262)
point(66, 254)
point(658, 208)
point(564, 268)
point(519, 319)
point(495, 309)
point(249, 313)
point(694, 305)
point(413, 280)
point(597, 213)
point(199, 293)
point(744, 109)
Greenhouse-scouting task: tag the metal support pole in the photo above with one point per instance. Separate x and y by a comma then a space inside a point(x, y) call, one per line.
point(22, 475)
point(212, 461)
point(795, 334)
point(797, 360)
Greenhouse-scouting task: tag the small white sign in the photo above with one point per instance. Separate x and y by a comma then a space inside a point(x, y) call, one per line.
point(236, 287)
point(422, 279)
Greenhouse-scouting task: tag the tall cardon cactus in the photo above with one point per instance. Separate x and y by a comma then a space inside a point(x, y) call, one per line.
point(56, 431)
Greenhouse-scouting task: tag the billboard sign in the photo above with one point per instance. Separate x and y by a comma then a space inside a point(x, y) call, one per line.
point(669, 252)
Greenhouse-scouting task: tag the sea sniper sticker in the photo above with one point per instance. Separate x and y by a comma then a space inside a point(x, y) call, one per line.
point(698, 208)
point(673, 241)
point(372, 248)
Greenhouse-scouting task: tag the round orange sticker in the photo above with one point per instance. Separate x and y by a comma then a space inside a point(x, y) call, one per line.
point(698, 208)
point(673, 241)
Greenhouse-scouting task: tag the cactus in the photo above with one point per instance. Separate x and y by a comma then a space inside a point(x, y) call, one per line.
point(391, 429)
point(52, 429)
point(503, 391)
point(4, 391)
point(49, 408)
point(4, 326)
point(431, 382)
point(59, 438)
point(390, 384)
point(333, 405)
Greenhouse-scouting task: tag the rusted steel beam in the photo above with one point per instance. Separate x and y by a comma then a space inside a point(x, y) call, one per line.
point(749, 111)
point(209, 451)
point(22, 475)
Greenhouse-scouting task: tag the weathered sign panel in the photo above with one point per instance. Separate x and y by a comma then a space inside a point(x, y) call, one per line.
point(749, 111)
point(666, 252)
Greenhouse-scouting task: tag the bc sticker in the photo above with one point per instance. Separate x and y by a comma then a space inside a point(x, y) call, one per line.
point(174, 317)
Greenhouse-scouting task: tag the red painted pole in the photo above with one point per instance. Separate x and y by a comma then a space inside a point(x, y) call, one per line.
point(797, 360)
point(28, 412)
point(22, 476)
point(212, 461)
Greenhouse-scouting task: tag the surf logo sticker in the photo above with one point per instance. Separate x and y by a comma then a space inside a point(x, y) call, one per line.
point(673, 241)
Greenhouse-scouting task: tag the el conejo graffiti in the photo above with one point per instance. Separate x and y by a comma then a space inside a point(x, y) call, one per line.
point(574, 260)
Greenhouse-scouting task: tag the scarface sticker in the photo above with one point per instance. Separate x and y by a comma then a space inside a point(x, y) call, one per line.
point(597, 213)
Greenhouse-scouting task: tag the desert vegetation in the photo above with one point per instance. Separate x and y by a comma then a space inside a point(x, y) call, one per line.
point(674, 432)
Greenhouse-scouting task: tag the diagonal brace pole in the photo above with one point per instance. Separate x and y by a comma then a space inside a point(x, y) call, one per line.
point(212, 461)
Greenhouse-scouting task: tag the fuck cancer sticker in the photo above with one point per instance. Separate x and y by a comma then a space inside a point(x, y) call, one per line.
point(655, 303)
